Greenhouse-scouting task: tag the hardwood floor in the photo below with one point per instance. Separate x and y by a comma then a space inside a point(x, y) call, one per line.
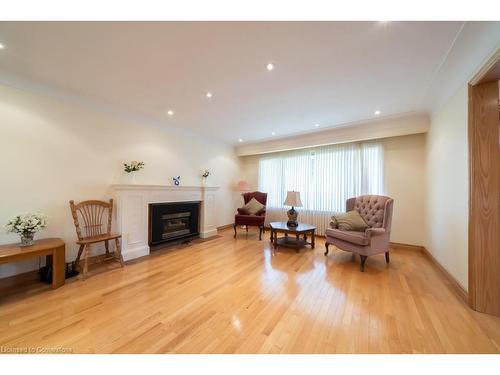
point(234, 296)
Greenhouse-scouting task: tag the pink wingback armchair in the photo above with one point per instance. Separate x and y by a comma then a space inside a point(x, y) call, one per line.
point(376, 210)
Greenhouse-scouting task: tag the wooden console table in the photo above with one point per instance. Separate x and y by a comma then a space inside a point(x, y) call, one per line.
point(51, 247)
point(292, 241)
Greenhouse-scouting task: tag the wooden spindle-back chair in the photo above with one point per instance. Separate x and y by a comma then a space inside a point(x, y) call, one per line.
point(93, 221)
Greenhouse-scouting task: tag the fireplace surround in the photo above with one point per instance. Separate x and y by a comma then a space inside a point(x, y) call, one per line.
point(132, 212)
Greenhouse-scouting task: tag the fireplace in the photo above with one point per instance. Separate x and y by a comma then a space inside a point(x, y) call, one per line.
point(173, 221)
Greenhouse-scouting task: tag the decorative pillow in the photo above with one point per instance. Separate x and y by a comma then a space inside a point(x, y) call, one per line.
point(350, 220)
point(253, 206)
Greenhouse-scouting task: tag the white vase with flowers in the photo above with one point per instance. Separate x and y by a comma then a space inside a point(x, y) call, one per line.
point(132, 168)
point(204, 177)
point(26, 226)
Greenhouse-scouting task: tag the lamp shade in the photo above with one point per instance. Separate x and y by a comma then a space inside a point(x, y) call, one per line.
point(243, 186)
point(293, 199)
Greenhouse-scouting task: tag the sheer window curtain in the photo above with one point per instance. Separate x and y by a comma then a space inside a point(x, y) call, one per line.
point(325, 177)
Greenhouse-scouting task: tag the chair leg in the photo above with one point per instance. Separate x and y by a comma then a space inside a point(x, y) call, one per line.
point(326, 246)
point(260, 233)
point(119, 251)
point(246, 227)
point(86, 262)
point(362, 265)
point(234, 230)
point(387, 259)
point(77, 261)
point(106, 245)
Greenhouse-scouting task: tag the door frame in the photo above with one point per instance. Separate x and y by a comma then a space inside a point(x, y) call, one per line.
point(490, 72)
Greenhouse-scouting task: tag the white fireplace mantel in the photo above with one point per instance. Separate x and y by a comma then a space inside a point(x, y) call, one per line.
point(132, 212)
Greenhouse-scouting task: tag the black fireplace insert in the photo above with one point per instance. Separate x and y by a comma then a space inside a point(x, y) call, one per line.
point(173, 221)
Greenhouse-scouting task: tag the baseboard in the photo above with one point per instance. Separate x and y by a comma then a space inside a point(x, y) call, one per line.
point(225, 226)
point(208, 233)
point(406, 246)
point(452, 282)
point(137, 252)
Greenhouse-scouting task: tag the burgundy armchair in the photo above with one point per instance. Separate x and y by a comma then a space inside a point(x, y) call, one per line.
point(376, 210)
point(257, 220)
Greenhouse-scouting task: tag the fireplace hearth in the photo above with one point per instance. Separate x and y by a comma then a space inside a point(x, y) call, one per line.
point(173, 221)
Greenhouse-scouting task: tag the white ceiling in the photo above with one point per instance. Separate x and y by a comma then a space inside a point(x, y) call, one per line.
point(329, 73)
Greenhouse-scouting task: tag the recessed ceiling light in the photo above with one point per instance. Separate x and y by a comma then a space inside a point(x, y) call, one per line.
point(273, 133)
point(270, 66)
point(170, 112)
point(317, 125)
point(2, 46)
point(208, 94)
point(240, 140)
point(377, 112)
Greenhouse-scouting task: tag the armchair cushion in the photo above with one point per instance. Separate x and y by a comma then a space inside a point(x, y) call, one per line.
point(242, 211)
point(358, 238)
point(253, 207)
point(351, 221)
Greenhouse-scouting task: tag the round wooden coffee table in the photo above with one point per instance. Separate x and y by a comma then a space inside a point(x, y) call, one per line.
point(295, 237)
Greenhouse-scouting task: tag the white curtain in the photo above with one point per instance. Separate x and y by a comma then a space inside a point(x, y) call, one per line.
point(325, 177)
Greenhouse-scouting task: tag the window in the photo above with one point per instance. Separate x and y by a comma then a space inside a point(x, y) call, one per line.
point(325, 177)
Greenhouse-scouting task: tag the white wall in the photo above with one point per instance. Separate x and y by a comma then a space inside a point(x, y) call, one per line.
point(250, 170)
point(404, 165)
point(447, 187)
point(52, 151)
point(404, 169)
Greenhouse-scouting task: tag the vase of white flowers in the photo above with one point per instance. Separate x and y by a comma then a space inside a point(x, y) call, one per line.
point(26, 226)
point(204, 177)
point(132, 168)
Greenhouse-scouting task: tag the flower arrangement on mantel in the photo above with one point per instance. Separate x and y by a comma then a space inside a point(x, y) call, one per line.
point(131, 168)
point(134, 166)
point(204, 176)
point(26, 226)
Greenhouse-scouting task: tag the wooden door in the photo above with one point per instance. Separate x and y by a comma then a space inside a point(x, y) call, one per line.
point(484, 198)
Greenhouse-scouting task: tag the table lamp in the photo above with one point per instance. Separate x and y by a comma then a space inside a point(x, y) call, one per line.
point(292, 199)
point(243, 186)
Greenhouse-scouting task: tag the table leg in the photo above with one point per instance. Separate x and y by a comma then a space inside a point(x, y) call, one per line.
point(312, 239)
point(275, 239)
point(58, 267)
point(297, 239)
